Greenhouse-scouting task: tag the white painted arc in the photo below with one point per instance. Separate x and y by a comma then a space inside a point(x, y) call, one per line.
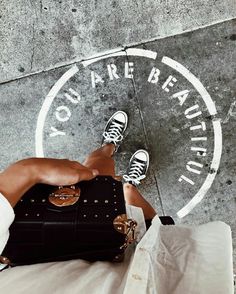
point(129, 52)
point(141, 53)
point(46, 106)
point(211, 176)
point(168, 61)
point(217, 134)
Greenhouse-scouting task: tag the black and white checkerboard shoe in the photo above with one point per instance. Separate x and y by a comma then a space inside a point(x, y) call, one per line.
point(115, 128)
point(138, 166)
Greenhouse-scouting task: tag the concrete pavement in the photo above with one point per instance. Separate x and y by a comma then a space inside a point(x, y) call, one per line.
point(179, 92)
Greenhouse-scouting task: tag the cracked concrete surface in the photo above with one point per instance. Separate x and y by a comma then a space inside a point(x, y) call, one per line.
point(41, 40)
point(37, 35)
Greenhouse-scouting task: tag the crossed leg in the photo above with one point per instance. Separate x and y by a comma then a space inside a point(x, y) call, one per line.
point(101, 159)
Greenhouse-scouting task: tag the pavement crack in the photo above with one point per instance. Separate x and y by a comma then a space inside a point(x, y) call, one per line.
point(158, 191)
point(146, 138)
point(33, 31)
point(41, 5)
point(33, 49)
point(121, 10)
point(136, 4)
point(63, 64)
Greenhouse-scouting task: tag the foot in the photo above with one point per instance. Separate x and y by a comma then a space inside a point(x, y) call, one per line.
point(115, 129)
point(138, 166)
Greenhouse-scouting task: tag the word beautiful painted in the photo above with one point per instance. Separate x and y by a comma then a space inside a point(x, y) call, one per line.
point(63, 113)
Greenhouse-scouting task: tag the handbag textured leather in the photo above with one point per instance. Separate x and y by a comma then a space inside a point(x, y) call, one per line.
point(86, 221)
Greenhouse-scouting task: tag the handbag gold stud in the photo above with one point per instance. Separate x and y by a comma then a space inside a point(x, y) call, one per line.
point(4, 260)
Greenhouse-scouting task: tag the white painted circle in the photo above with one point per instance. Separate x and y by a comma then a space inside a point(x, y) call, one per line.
point(176, 66)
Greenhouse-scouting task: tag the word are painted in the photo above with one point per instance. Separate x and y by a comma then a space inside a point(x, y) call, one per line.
point(129, 74)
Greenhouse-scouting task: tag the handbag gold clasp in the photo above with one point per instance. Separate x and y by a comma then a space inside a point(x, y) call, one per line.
point(65, 196)
point(127, 227)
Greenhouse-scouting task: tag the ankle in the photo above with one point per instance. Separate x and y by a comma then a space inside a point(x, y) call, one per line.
point(109, 149)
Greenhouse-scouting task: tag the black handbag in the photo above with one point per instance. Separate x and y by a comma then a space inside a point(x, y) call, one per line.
point(85, 221)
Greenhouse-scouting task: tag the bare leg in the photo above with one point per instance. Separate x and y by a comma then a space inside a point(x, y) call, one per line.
point(133, 197)
point(101, 159)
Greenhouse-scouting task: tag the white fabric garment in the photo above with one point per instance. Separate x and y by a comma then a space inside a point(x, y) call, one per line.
point(6, 218)
point(167, 260)
point(183, 259)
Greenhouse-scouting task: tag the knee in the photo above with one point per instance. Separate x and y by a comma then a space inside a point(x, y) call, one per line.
point(128, 186)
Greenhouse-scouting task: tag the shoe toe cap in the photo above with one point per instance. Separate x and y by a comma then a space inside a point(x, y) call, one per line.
point(120, 116)
point(142, 155)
